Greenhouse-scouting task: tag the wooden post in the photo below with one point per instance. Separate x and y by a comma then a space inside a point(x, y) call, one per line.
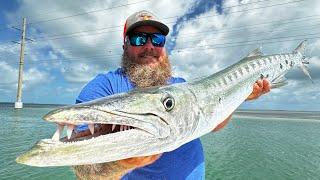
point(18, 104)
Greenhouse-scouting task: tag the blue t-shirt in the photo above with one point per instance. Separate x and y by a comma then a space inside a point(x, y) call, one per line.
point(186, 162)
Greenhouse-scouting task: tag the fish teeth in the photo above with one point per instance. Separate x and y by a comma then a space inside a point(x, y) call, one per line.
point(91, 128)
point(56, 136)
point(69, 130)
point(113, 126)
point(121, 127)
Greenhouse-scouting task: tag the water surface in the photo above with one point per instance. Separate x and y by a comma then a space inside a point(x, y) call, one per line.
point(254, 145)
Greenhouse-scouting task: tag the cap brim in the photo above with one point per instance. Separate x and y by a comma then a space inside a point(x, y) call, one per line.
point(162, 27)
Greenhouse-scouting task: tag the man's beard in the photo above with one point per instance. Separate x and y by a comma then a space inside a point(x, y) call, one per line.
point(144, 75)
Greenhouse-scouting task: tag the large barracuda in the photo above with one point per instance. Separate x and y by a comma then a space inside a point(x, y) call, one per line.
point(159, 119)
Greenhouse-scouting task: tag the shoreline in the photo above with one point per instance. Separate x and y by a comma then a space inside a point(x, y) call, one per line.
point(238, 111)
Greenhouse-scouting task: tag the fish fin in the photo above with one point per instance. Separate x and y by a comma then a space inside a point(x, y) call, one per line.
point(256, 52)
point(301, 48)
point(305, 71)
point(279, 82)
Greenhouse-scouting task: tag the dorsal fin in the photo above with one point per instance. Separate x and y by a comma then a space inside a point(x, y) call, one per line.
point(256, 52)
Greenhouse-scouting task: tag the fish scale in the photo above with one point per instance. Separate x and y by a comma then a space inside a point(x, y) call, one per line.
point(195, 109)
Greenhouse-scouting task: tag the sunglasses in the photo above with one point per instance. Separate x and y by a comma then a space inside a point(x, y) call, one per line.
point(140, 39)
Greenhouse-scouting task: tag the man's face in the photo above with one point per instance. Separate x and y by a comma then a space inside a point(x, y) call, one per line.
point(146, 65)
point(147, 54)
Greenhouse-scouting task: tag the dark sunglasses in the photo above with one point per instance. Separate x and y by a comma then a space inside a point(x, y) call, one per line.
point(140, 39)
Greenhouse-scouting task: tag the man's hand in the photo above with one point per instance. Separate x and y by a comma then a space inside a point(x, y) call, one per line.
point(112, 170)
point(259, 88)
point(136, 162)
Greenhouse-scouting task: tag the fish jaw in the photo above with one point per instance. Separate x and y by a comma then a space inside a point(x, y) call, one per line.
point(77, 115)
point(95, 150)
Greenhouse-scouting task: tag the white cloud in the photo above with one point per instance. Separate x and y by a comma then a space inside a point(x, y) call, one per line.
point(31, 77)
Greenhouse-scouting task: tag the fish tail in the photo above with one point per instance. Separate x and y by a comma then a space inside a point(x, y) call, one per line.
point(301, 49)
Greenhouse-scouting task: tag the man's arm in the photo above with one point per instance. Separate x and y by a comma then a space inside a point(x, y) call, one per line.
point(259, 88)
point(112, 170)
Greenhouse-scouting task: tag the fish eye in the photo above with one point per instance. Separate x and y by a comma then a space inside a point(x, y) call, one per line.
point(168, 103)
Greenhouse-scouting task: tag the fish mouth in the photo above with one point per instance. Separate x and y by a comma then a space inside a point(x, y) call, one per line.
point(102, 122)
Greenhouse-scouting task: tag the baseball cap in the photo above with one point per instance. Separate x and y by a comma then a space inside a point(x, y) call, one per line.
point(142, 18)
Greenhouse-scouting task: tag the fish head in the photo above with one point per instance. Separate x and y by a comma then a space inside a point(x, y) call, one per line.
point(157, 120)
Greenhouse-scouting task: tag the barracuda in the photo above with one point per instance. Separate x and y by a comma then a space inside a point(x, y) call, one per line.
point(158, 119)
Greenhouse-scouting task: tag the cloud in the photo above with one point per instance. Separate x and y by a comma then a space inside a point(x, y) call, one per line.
point(79, 72)
point(31, 77)
point(7, 84)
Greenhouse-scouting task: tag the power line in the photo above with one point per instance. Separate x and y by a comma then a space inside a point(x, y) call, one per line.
point(280, 4)
point(264, 39)
point(279, 22)
point(79, 32)
point(225, 30)
point(210, 46)
point(87, 12)
point(285, 3)
point(259, 33)
point(253, 35)
point(162, 19)
point(110, 27)
point(230, 46)
point(74, 15)
point(45, 12)
point(72, 36)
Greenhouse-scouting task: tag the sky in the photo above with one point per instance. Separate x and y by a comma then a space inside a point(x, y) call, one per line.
point(70, 42)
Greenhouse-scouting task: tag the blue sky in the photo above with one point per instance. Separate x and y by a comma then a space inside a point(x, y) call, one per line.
point(72, 44)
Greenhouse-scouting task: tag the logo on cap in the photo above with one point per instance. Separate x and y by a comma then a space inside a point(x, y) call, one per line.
point(145, 16)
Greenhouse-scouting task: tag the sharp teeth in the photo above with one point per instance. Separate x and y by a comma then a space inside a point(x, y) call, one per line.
point(113, 126)
point(121, 127)
point(70, 130)
point(56, 136)
point(91, 127)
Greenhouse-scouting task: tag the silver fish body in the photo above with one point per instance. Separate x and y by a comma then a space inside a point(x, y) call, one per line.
point(164, 118)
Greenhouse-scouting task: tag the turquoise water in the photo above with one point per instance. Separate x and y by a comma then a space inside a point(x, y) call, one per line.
point(254, 145)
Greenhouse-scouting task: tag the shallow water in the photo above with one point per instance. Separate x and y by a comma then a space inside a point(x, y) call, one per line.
point(254, 145)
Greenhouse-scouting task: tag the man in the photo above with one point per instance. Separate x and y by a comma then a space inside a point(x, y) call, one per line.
point(145, 63)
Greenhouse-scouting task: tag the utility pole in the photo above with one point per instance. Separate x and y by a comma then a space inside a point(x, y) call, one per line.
point(18, 104)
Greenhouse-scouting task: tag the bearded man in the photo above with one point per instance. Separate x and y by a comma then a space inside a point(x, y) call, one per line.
point(145, 63)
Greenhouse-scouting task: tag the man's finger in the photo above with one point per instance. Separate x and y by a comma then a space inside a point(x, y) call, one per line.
point(256, 89)
point(266, 86)
point(260, 83)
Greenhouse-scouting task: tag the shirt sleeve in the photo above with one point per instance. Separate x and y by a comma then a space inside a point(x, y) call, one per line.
point(98, 87)
point(175, 80)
